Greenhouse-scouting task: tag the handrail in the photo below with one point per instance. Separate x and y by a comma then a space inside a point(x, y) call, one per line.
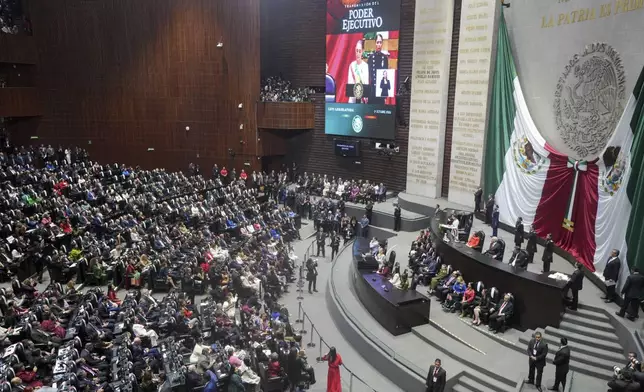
point(303, 317)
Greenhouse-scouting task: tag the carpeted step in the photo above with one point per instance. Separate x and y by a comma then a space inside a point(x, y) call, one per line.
point(477, 386)
point(585, 340)
point(461, 388)
point(589, 331)
point(589, 314)
point(575, 347)
point(587, 322)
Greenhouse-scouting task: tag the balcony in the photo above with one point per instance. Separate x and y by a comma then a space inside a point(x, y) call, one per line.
point(285, 115)
point(20, 102)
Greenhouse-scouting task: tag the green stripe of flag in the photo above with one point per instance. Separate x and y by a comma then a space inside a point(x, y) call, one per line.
point(635, 188)
point(502, 112)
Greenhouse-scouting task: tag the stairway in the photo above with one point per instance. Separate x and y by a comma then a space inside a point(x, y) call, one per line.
point(593, 342)
point(478, 382)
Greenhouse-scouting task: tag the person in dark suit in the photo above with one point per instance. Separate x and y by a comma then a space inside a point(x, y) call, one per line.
point(632, 291)
point(496, 250)
point(495, 221)
point(611, 275)
point(575, 283)
point(531, 246)
point(499, 315)
point(519, 231)
point(519, 258)
point(478, 196)
point(489, 206)
point(561, 361)
point(368, 210)
point(312, 274)
point(320, 237)
point(335, 244)
point(548, 250)
point(397, 215)
point(436, 377)
point(537, 352)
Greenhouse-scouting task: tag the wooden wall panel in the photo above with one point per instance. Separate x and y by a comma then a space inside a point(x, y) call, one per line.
point(20, 102)
point(285, 115)
point(128, 75)
point(272, 143)
point(17, 49)
point(293, 45)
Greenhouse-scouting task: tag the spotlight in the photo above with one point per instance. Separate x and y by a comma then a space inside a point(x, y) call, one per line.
point(187, 128)
point(241, 105)
point(241, 126)
point(220, 44)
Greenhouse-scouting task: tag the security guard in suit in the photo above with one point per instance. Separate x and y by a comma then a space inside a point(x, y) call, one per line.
point(320, 237)
point(377, 60)
point(335, 244)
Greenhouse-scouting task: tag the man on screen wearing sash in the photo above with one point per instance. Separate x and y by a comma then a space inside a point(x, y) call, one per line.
point(358, 75)
point(377, 60)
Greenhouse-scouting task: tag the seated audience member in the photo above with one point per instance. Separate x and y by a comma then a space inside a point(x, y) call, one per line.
point(499, 316)
point(519, 258)
point(274, 368)
point(385, 271)
point(496, 250)
point(455, 295)
point(474, 241)
point(468, 300)
point(445, 287)
point(438, 278)
point(482, 306)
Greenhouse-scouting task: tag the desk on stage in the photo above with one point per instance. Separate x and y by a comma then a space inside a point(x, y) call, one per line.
point(537, 298)
point(396, 310)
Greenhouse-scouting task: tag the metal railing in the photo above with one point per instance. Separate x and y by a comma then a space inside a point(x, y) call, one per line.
point(350, 381)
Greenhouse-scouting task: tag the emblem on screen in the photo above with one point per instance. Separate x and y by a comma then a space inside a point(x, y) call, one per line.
point(357, 124)
point(358, 91)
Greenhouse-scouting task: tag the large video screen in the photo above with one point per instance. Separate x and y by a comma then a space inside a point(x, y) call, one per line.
point(362, 67)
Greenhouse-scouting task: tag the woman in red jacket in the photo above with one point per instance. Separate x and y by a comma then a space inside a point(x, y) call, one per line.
point(333, 383)
point(468, 299)
point(111, 295)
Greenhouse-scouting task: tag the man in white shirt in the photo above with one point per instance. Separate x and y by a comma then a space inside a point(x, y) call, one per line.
point(358, 71)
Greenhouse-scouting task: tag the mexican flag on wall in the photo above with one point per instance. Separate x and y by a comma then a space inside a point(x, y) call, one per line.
point(590, 207)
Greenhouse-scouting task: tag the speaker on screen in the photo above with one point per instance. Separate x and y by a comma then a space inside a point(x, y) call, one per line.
point(362, 68)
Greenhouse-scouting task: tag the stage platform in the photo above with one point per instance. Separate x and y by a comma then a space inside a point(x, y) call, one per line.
point(472, 356)
point(396, 310)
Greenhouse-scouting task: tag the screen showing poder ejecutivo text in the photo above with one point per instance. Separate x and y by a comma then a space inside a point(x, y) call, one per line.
point(362, 67)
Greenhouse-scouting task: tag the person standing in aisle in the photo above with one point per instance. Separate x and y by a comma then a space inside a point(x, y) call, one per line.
point(537, 352)
point(548, 250)
point(561, 361)
point(611, 275)
point(632, 291)
point(333, 382)
point(335, 244)
point(436, 377)
point(320, 237)
point(397, 217)
point(312, 274)
point(575, 284)
point(531, 246)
